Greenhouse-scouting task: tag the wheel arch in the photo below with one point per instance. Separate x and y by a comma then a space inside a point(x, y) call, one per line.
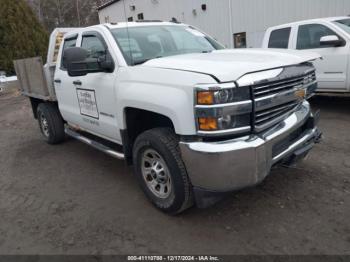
point(35, 102)
point(137, 121)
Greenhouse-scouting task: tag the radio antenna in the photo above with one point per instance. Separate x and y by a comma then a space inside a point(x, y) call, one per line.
point(128, 34)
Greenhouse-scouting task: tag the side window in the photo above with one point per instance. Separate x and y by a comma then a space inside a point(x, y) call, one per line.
point(70, 42)
point(94, 46)
point(279, 38)
point(309, 36)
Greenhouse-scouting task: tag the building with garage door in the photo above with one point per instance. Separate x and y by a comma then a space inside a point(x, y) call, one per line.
point(234, 23)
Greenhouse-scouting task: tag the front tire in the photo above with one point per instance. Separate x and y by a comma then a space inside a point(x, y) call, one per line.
point(161, 172)
point(51, 123)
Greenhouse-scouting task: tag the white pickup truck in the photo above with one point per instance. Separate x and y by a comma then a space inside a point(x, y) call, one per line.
point(329, 37)
point(194, 119)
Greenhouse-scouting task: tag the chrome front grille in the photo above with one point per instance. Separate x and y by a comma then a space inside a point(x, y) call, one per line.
point(275, 99)
point(279, 86)
point(270, 116)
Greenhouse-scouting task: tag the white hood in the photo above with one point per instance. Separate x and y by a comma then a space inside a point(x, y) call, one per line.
point(230, 65)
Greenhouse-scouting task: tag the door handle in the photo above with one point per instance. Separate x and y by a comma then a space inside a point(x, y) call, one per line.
point(77, 82)
point(58, 81)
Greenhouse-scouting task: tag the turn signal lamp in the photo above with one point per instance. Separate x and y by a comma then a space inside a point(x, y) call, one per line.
point(223, 96)
point(207, 123)
point(205, 98)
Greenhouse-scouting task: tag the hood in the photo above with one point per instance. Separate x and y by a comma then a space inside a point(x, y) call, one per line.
point(230, 65)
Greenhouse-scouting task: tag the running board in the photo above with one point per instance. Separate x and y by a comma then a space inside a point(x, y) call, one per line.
point(94, 144)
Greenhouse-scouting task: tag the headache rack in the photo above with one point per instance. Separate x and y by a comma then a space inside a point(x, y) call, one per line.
point(35, 79)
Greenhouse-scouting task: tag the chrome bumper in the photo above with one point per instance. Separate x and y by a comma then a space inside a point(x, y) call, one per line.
point(244, 162)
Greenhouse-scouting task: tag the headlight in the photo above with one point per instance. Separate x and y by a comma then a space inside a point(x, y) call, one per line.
point(223, 109)
point(222, 96)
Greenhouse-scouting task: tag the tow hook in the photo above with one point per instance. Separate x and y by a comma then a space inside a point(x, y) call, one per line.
point(315, 119)
point(318, 137)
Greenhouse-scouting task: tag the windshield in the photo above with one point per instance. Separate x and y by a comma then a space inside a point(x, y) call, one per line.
point(343, 24)
point(140, 44)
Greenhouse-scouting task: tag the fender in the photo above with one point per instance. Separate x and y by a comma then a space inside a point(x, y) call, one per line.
point(163, 91)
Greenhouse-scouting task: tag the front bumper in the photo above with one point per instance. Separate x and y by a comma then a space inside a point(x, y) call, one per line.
point(243, 162)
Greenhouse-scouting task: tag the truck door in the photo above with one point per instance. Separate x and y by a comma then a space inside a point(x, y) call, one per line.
point(64, 87)
point(95, 92)
point(332, 70)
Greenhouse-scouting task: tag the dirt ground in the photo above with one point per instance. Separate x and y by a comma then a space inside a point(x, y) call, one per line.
point(72, 199)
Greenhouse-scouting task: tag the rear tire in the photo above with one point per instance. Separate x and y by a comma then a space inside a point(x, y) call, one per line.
point(161, 172)
point(51, 123)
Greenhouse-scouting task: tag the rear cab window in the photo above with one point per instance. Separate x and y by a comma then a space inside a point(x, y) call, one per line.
point(279, 38)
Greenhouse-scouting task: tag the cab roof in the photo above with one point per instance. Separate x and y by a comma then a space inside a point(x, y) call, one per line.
point(325, 19)
point(139, 24)
point(74, 31)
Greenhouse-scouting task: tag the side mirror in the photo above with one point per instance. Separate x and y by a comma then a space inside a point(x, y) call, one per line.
point(74, 59)
point(106, 63)
point(331, 40)
point(77, 62)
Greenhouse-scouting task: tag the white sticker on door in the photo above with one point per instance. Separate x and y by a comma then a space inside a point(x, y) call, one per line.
point(87, 103)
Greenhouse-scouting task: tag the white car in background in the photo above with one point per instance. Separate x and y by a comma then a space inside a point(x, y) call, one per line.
point(330, 37)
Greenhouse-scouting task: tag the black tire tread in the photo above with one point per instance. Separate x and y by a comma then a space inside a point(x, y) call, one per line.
point(56, 123)
point(171, 142)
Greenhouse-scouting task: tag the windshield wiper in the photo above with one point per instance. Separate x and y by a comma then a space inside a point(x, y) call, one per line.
point(140, 62)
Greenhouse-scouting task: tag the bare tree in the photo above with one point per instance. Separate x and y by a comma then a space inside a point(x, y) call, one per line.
point(66, 13)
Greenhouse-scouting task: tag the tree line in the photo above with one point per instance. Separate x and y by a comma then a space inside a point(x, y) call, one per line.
point(21, 34)
point(25, 25)
point(66, 13)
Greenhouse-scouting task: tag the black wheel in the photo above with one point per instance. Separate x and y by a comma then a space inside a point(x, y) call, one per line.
point(51, 123)
point(161, 171)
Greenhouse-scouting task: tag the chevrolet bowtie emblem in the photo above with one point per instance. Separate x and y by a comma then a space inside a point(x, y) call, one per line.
point(300, 93)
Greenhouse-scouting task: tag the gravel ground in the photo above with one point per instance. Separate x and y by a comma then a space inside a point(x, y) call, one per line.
point(72, 199)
